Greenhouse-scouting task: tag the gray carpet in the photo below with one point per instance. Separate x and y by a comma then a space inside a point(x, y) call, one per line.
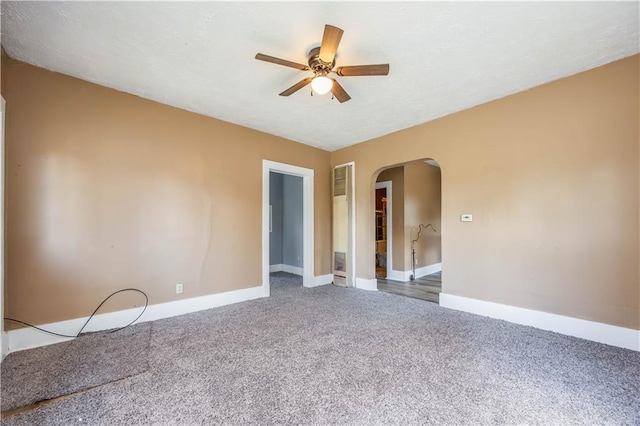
point(92, 359)
point(331, 355)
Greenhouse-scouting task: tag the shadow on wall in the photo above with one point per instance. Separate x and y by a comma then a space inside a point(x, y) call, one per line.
point(412, 196)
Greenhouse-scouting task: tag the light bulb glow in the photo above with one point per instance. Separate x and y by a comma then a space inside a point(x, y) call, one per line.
point(321, 84)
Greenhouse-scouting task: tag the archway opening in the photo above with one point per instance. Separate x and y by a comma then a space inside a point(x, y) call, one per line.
point(408, 229)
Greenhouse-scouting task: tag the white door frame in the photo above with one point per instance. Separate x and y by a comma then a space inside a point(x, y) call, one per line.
point(387, 185)
point(307, 221)
point(3, 337)
point(351, 272)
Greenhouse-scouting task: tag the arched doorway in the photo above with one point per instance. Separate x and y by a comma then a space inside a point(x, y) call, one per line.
point(408, 230)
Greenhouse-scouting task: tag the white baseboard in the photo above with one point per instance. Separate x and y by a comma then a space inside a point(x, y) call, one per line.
point(27, 338)
point(427, 270)
point(293, 269)
point(598, 332)
point(275, 268)
point(322, 280)
point(4, 346)
point(281, 267)
point(365, 284)
point(405, 276)
point(317, 280)
point(398, 275)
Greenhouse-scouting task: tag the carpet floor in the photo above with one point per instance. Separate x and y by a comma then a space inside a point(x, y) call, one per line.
point(332, 355)
point(91, 360)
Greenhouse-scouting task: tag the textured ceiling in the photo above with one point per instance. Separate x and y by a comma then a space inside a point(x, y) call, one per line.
point(199, 56)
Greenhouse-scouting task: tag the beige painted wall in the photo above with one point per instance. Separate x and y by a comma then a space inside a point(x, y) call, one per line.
point(106, 190)
point(551, 176)
point(422, 206)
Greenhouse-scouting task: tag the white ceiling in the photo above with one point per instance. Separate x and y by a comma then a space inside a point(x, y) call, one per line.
point(444, 57)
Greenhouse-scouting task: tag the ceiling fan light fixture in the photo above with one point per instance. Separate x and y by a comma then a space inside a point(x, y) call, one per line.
point(322, 61)
point(321, 84)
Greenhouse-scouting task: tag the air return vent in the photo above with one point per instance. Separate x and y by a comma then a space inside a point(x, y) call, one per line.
point(340, 181)
point(340, 261)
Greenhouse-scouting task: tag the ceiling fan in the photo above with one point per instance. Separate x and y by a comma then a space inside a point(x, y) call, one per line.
point(322, 61)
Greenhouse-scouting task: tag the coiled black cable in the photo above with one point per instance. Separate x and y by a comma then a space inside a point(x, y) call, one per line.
point(146, 303)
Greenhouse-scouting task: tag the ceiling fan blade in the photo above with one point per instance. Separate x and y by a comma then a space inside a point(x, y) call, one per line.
point(338, 91)
point(356, 70)
point(299, 85)
point(330, 40)
point(279, 61)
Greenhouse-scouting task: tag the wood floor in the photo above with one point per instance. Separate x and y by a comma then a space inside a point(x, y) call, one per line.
point(425, 288)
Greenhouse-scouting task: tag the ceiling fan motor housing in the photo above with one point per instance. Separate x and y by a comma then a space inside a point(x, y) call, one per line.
point(318, 66)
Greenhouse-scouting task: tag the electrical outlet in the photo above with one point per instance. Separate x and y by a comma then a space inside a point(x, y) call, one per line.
point(178, 288)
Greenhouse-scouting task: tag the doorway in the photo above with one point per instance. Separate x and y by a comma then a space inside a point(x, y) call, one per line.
point(383, 230)
point(3, 341)
point(414, 256)
point(285, 230)
point(301, 251)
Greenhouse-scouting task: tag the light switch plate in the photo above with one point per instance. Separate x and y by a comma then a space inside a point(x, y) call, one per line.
point(466, 217)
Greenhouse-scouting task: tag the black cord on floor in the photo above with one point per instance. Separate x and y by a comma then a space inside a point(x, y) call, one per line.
point(146, 303)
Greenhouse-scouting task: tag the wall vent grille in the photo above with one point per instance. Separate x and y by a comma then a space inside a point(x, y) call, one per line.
point(340, 181)
point(340, 261)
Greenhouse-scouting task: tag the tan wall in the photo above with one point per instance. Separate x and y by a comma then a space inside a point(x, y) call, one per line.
point(551, 176)
point(106, 190)
point(396, 176)
point(422, 206)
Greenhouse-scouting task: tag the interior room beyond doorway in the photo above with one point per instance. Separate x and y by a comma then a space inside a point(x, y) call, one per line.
point(408, 229)
point(286, 224)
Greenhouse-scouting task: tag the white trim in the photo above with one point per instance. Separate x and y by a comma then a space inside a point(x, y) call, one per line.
point(27, 338)
point(427, 270)
point(281, 267)
point(351, 272)
point(598, 332)
point(307, 220)
point(317, 280)
point(296, 270)
point(4, 345)
point(405, 276)
point(275, 268)
point(387, 184)
point(398, 275)
point(322, 280)
point(366, 284)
